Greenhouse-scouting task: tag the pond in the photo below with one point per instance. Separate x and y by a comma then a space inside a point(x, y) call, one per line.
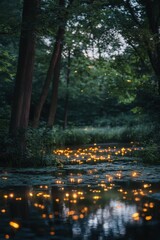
point(103, 192)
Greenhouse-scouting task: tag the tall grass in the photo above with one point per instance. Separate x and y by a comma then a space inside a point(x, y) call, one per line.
point(41, 142)
point(107, 134)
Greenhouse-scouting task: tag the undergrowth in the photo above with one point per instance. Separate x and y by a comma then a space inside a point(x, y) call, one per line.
point(41, 142)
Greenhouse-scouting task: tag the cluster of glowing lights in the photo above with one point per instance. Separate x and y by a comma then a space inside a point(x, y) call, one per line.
point(72, 199)
point(94, 153)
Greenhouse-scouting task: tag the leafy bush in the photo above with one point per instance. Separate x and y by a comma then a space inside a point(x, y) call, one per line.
point(40, 143)
point(151, 153)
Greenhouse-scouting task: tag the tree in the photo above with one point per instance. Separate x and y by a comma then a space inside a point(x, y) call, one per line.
point(67, 90)
point(54, 95)
point(55, 61)
point(23, 83)
point(141, 29)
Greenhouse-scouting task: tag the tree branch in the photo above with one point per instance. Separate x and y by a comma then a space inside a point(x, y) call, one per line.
point(132, 12)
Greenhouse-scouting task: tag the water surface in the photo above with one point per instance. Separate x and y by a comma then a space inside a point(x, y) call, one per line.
point(101, 193)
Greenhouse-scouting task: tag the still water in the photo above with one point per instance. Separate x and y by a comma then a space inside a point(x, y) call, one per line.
point(103, 194)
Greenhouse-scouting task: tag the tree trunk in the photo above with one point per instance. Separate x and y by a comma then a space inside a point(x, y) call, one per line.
point(54, 97)
point(48, 79)
point(54, 59)
point(23, 83)
point(67, 92)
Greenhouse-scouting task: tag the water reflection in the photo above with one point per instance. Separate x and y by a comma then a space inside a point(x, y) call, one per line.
point(77, 212)
point(94, 197)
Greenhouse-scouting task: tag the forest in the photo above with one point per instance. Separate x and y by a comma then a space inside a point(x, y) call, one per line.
point(78, 72)
point(80, 119)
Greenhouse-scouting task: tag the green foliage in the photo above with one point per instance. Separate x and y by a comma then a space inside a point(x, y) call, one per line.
point(75, 136)
point(151, 153)
point(40, 143)
point(111, 85)
point(48, 139)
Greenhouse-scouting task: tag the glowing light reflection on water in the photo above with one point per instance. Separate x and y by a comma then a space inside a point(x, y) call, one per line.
point(85, 202)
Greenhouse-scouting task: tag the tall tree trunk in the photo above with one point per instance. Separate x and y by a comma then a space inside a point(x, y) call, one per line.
point(50, 73)
point(54, 97)
point(67, 92)
point(22, 89)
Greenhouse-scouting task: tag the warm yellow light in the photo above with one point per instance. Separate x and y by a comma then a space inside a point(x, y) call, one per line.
point(80, 193)
point(135, 216)
point(142, 193)
point(41, 206)
point(18, 199)
point(96, 197)
point(7, 236)
point(82, 198)
point(73, 201)
point(11, 195)
point(148, 218)
point(72, 180)
point(75, 217)
point(146, 205)
point(146, 185)
point(39, 194)
point(14, 225)
point(58, 181)
point(70, 213)
point(85, 209)
point(3, 210)
point(44, 215)
point(134, 174)
point(74, 195)
point(46, 195)
point(137, 199)
point(79, 180)
point(151, 205)
point(144, 209)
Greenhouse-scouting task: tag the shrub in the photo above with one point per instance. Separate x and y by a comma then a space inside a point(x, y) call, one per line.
point(151, 153)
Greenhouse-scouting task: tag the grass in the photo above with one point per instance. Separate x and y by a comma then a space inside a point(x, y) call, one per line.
point(42, 141)
point(107, 134)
